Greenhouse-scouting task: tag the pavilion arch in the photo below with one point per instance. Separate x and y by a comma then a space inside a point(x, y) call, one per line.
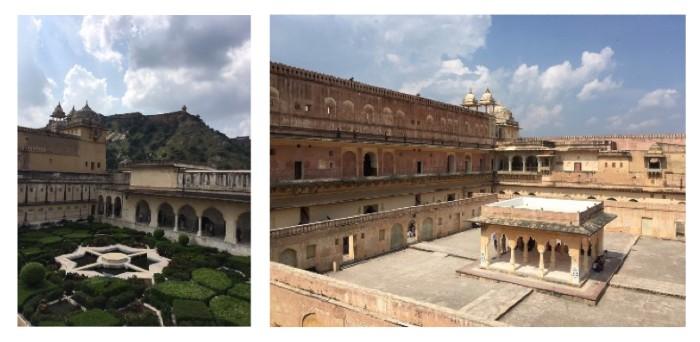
point(451, 165)
point(108, 206)
point(243, 228)
point(349, 165)
point(397, 237)
point(531, 164)
point(143, 212)
point(330, 106)
point(100, 205)
point(289, 257)
point(117, 206)
point(369, 164)
point(426, 229)
point(611, 199)
point(517, 163)
point(310, 320)
point(213, 223)
point(166, 216)
point(634, 200)
point(187, 219)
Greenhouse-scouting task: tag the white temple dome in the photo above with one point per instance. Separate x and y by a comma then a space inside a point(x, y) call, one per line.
point(502, 112)
point(469, 99)
point(487, 97)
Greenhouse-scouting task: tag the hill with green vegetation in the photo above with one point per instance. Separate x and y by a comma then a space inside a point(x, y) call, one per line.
point(177, 137)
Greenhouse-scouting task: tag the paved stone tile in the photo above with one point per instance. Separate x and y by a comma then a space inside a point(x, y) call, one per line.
point(655, 259)
point(649, 285)
point(493, 304)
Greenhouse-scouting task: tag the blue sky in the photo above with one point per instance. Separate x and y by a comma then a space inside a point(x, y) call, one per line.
point(149, 64)
point(560, 75)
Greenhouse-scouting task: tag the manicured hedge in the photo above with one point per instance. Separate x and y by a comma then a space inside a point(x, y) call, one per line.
point(183, 290)
point(230, 311)
point(240, 290)
point(104, 286)
point(94, 318)
point(192, 312)
point(212, 279)
point(24, 292)
point(32, 274)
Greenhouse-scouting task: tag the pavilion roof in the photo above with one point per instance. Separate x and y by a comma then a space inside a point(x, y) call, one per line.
point(588, 228)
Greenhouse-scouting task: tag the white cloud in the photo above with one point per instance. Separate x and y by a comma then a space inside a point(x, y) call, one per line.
point(592, 88)
point(565, 76)
point(592, 121)
point(37, 23)
point(81, 85)
point(99, 33)
point(659, 98)
point(537, 116)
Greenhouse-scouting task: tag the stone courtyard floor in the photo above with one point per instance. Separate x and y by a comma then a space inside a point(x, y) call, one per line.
point(648, 289)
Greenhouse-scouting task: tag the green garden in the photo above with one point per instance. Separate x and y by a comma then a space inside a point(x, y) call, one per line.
point(200, 287)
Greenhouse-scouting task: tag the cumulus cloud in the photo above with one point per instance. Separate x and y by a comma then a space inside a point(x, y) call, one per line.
point(659, 98)
point(81, 85)
point(536, 116)
point(169, 61)
point(591, 89)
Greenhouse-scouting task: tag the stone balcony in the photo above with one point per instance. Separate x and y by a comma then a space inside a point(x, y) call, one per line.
point(214, 180)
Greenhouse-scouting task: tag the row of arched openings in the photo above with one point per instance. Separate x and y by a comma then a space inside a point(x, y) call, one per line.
point(106, 207)
point(370, 165)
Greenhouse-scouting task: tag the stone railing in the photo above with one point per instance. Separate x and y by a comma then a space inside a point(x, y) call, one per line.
point(216, 180)
point(631, 179)
point(61, 177)
point(277, 233)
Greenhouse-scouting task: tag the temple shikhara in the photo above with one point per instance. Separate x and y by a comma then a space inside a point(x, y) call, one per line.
point(391, 209)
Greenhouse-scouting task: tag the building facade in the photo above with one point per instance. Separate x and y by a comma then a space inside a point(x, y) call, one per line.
point(62, 176)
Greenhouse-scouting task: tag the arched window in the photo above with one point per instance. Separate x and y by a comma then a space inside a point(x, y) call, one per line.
point(117, 207)
point(517, 163)
point(108, 206)
point(166, 216)
point(143, 212)
point(243, 228)
point(187, 219)
point(451, 167)
point(531, 164)
point(611, 199)
point(100, 205)
point(289, 257)
point(213, 223)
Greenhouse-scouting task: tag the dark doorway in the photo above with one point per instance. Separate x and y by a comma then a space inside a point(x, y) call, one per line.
point(298, 167)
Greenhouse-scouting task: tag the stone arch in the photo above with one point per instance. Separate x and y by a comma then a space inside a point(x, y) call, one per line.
point(289, 257)
point(368, 112)
point(633, 200)
point(531, 194)
point(531, 164)
point(187, 219)
point(166, 215)
point(330, 106)
point(310, 320)
point(397, 237)
point(501, 192)
point(243, 228)
point(591, 197)
point(274, 98)
point(117, 206)
point(369, 164)
point(516, 194)
point(108, 206)
point(213, 223)
point(611, 199)
point(467, 163)
point(143, 212)
point(349, 165)
point(388, 164)
point(426, 229)
point(100, 205)
point(348, 111)
point(517, 163)
point(387, 116)
point(451, 165)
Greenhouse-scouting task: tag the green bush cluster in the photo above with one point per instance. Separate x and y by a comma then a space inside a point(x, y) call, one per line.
point(230, 310)
point(93, 318)
point(240, 290)
point(32, 274)
point(171, 290)
point(192, 313)
point(211, 278)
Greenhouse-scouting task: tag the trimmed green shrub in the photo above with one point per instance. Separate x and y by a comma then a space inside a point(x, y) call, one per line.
point(165, 248)
point(121, 300)
point(158, 233)
point(212, 279)
point(183, 240)
point(231, 311)
point(157, 299)
point(191, 312)
point(24, 292)
point(93, 318)
point(141, 319)
point(184, 290)
point(240, 290)
point(50, 240)
point(32, 274)
point(104, 286)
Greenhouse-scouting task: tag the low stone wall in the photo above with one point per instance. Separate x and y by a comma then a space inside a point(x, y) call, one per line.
point(301, 298)
point(662, 223)
point(319, 245)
